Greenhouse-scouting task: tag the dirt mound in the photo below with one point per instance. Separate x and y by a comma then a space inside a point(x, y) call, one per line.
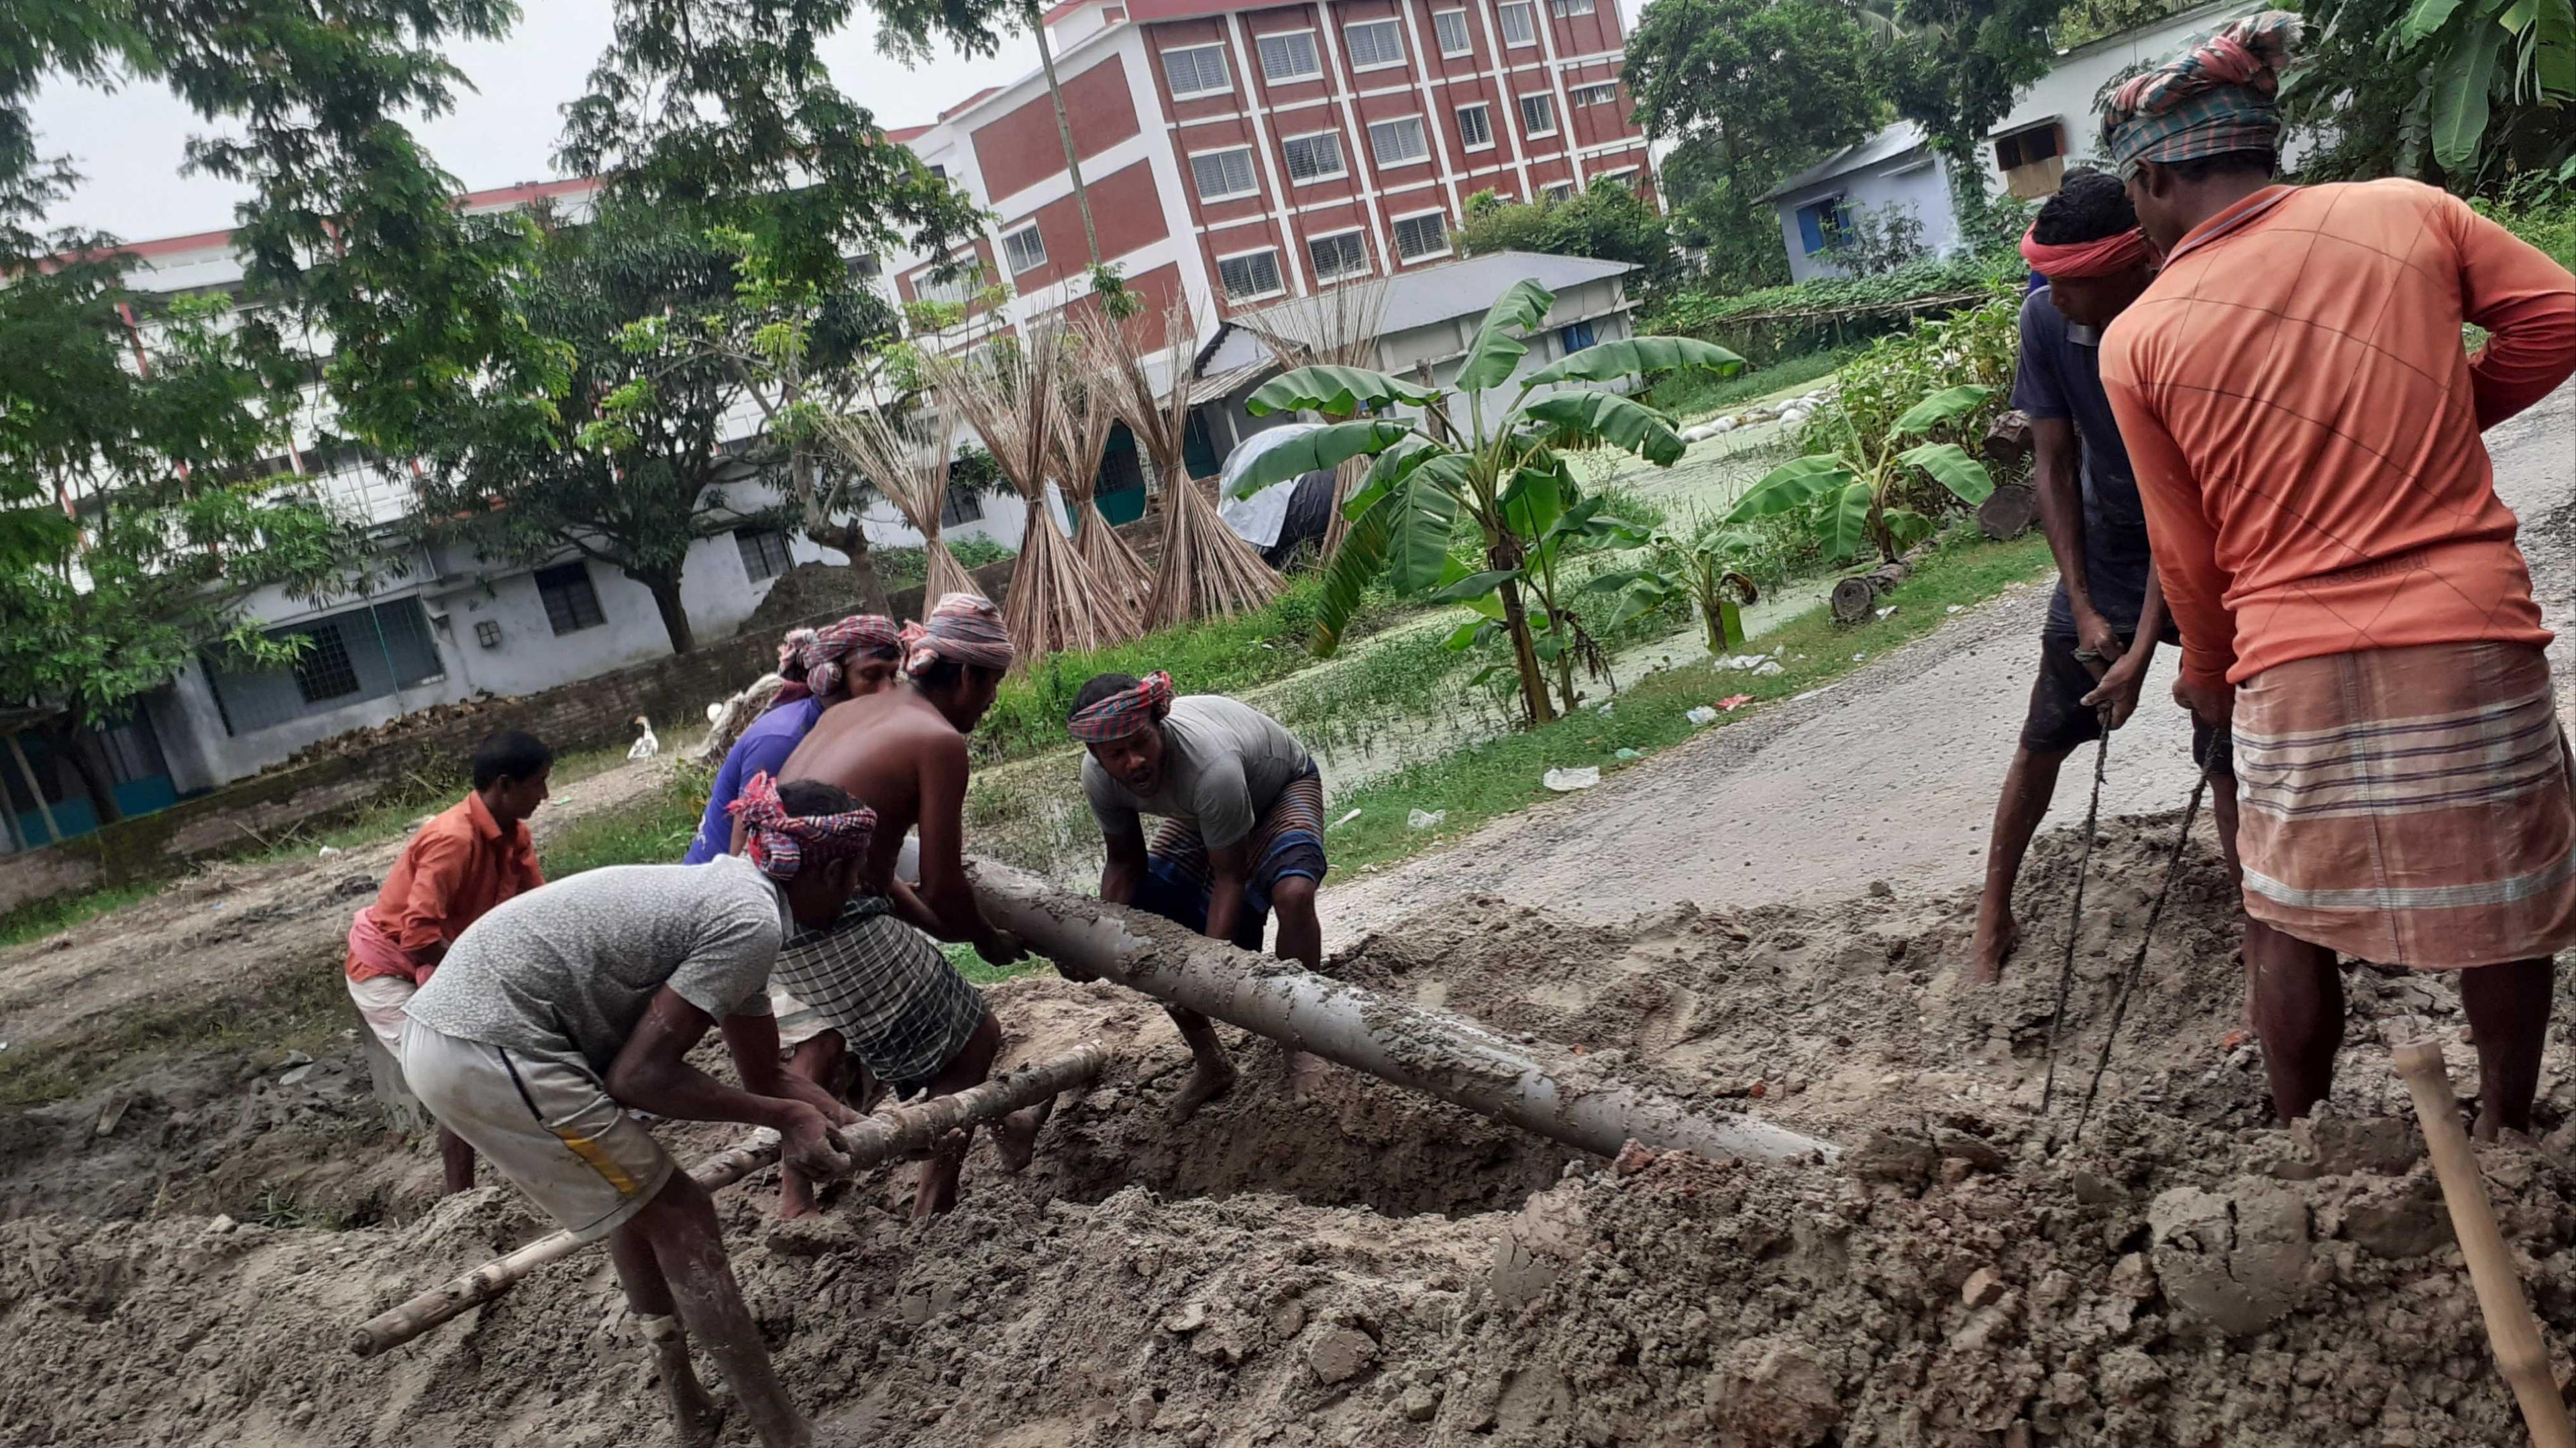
point(1360, 1265)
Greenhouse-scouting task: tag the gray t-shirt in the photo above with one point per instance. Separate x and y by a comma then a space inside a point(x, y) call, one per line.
point(1223, 764)
point(565, 973)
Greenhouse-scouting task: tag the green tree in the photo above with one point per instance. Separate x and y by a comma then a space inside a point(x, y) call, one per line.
point(1487, 453)
point(647, 453)
point(164, 513)
point(2469, 94)
point(1608, 221)
point(1956, 68)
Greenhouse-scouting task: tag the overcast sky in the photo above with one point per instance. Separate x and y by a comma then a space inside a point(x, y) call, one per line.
point(129, 144)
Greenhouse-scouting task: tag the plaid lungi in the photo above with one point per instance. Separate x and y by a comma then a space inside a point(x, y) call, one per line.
point(903, 1010)
point(2409, 806)
point(1288, 839)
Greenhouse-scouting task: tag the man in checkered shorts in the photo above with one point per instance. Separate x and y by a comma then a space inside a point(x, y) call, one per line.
point(875, 977)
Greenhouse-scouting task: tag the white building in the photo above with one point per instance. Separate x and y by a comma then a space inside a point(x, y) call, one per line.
point(2053, 126)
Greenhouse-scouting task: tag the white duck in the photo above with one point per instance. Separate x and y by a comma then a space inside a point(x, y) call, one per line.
point(646, 747)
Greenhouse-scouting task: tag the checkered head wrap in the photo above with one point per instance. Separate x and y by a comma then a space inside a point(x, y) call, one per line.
point(966, 627)
point(2218, 96)
point(822, 652)
point(1129, 711)
point(780, 843)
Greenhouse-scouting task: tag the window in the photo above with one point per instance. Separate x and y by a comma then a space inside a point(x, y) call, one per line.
point(571, 603)
point(1824, 223)
point(1398, 142)
point(1520, 24)
point(2033, 161)
point(1375, 43)
point(1224, 174)
point(764, 553)
point(1451, 28)
point(1196, 71)
point(1564, 8)
point(1576, 336)
point(1476, 125)
point(1625, 176)
point(957, 289)
point(1255, 274)
point(963, 505)
point(1024, 249)
point(1538, 115)
point(1314, 158)
point(323, 670)
point(1604, 94)
point(1557, 190)
point(1340, 255)
point(1289, 57)
point(1421, 236)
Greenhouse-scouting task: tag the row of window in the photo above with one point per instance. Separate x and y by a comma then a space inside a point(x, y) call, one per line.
point(1400, 141)
point(1202, 70)
point(1254, 275)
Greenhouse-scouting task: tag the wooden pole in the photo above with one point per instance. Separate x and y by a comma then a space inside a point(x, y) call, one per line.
point(889, 1133)
point(2511, 1330)
point(1412, 1046)
point(35, 787)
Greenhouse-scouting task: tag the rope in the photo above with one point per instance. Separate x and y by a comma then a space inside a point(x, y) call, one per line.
point(2137, 963)
point(2075, 918)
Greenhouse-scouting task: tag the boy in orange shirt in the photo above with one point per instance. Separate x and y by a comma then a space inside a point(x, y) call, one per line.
point(469, 858)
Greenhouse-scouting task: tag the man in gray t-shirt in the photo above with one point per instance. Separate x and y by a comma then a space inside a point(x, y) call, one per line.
point(1242, 806)
point(566, 1008)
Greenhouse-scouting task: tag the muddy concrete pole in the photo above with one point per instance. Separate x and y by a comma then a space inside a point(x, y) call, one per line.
point(1412, 1046)
point(889, 1133)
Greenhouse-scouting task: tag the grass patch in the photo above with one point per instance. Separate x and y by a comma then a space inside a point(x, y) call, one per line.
point(39, 918)
point(654, 829)
point(1694, 394)
point(1498, 776)
point(302, 1009)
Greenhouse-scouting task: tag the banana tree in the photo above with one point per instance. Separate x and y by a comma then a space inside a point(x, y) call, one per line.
point(1484, 450)
point(1851, 494)
point(1548, 509)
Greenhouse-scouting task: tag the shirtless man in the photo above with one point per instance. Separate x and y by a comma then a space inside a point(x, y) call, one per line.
point(896, 1002)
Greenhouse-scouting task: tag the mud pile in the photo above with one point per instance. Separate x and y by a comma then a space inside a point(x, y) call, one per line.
point(1350, 1264)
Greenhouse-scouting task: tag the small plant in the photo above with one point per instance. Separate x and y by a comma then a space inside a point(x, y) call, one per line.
point(1851, 492)
point(1487, 453)
point(1560, 526)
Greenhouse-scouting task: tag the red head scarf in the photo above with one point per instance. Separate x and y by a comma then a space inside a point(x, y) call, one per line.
point(1126, 712)
point(966, 627)
point(780, 843)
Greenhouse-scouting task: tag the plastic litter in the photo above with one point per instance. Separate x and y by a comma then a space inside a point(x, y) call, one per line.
point(1735, 701)
point(1423, 819)
point(1627, 754)
point(1566, 781)
point(1346, 819)
point(1700, 714)
point(1884, 612)
point(1958, 608)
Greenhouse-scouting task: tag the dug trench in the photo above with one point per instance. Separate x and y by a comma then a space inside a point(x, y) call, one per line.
point(1353, 1264)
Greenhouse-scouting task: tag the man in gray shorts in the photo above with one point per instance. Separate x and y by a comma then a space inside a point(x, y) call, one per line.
point(565, 1008)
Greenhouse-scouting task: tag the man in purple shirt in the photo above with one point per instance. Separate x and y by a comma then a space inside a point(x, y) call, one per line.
point(849, 660)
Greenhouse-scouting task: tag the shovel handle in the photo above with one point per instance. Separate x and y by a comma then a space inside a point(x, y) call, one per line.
point(2511, 1330)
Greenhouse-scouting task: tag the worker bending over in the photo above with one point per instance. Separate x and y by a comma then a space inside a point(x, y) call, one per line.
point(469, 858)
point(2108, 613)
point(2305, 426)
point(875, 978)
point(1242, 833)
point(561, 1011)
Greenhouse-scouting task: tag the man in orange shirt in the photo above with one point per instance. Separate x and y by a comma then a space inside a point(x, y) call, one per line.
point(466, 860)
point(2305, 424)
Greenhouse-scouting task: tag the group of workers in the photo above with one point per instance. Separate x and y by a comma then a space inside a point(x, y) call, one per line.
point(2257, 438)
point(537, 1021)
point(2257, 433)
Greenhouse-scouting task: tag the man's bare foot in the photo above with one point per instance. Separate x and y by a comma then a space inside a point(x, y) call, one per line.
point(696, 1420)
point(795, 1198)
point(1208, 1081)
point(1996, 940)
point(1016, 1136)
point(938, 1190)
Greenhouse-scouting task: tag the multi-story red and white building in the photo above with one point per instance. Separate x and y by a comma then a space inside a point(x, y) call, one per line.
point(1237, 153)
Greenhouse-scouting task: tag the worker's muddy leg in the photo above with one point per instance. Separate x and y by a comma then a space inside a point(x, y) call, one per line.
point(2298, 1016)
point(1301, 939)
point(456, 1161)
point(972, 1065)
point(1211, 1074)
point(2508, 1008)
point(695, 1418)
point(2222, 813)
point(819, 1060)
point(2029, 784)
point(680, 1226)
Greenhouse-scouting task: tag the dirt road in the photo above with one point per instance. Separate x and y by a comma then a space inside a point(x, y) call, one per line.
point(1889, 775)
